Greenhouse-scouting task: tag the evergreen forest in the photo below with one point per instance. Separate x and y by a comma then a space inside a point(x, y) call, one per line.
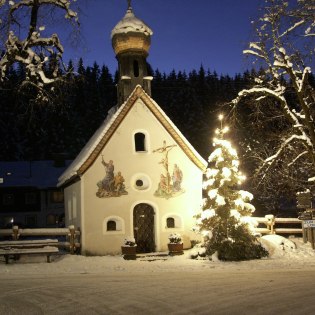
point(61, 125)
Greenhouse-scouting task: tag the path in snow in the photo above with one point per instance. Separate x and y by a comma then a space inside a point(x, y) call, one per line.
point(207, 292)
point(284, 283)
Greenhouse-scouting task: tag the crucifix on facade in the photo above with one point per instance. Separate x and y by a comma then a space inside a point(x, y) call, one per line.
point(165, 150)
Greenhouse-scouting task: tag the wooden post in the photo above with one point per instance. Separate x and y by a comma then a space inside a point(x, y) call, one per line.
point(15, 234)
point(311, 237)
point(270, 222)
point(312, 231)
point(304, 232)
point(72, 239)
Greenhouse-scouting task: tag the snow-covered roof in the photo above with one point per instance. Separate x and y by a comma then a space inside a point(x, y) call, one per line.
point(115, 116)
point(130, 23)
point(39, 174)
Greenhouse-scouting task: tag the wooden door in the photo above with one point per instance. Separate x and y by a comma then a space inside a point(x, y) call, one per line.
point(143, 224)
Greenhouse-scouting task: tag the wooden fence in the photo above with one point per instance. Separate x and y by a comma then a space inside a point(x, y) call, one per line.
point(72, 236)
point(267, 225)
point(273, 225)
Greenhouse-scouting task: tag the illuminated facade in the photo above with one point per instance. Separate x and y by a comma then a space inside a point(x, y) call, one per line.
point(137, 176)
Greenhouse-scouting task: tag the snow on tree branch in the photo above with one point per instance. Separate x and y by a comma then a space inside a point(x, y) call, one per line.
point(62, 4)
point(293, 27)
point(284, 81)
point(298, 157)
point(270, 161)
point(252, 52)
point(262, 91)
point(41, 56)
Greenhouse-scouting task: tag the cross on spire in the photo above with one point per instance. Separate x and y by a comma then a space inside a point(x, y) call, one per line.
point(129, 4)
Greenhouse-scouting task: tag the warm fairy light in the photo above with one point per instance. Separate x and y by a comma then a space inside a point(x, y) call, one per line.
point(225, 129)
point(242, 178)
point(221, 117)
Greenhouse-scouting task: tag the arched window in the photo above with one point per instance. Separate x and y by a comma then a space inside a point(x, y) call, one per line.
point(170, 222)
point(140, 142)
point(136, 68)
point(111, 225)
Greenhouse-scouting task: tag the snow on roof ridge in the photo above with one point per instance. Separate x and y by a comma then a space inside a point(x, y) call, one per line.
point(176, 129)
point(113, 113)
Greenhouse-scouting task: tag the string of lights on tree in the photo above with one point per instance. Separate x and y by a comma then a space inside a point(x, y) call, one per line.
point(225, 220)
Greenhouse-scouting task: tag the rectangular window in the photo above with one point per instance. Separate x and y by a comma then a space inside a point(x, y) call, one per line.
point(30, 198)
point(8, 199)
point(56, 196)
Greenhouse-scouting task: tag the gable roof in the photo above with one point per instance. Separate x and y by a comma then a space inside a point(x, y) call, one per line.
point(95, 145)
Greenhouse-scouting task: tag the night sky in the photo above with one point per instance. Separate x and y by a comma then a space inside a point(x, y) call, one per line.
point(186, 33)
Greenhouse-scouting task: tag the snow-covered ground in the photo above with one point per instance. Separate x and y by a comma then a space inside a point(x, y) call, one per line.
point(284, 254)
point(284, 283)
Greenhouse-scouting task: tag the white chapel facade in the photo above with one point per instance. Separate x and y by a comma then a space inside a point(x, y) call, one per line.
point(138, 175)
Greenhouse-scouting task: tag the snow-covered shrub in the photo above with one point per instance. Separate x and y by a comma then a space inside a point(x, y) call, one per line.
point(236, 251)
point(175, 238)
point(198, 251)
point(130, 241)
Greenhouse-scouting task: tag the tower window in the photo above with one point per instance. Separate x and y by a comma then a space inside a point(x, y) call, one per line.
point(136, 68)
point(140, 142)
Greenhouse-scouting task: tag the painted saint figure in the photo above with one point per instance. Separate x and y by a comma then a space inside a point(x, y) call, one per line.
point(108, 180)
point(162, 188)
point(177, 178)
point(119, 183)
point(111, 185)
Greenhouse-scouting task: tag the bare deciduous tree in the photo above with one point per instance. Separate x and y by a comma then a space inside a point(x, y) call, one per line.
point(282, 96)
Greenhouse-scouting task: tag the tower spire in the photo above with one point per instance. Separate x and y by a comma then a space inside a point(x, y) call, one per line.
point(131, 40)
point(129, 4)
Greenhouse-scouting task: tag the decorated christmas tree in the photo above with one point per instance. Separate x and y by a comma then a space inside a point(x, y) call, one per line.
point(225, 219)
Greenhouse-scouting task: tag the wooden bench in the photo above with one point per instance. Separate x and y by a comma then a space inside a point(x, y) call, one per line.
point(28, 247)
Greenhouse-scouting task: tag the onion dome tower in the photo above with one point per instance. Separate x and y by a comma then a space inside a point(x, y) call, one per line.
point(131, 39)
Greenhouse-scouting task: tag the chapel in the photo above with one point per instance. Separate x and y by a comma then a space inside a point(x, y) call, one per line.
point(137, 176)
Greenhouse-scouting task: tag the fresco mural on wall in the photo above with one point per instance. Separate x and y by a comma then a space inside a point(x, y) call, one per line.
point(111, 185)
point(169, 186)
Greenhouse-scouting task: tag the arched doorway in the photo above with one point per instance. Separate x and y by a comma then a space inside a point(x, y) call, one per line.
point(143, 224)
